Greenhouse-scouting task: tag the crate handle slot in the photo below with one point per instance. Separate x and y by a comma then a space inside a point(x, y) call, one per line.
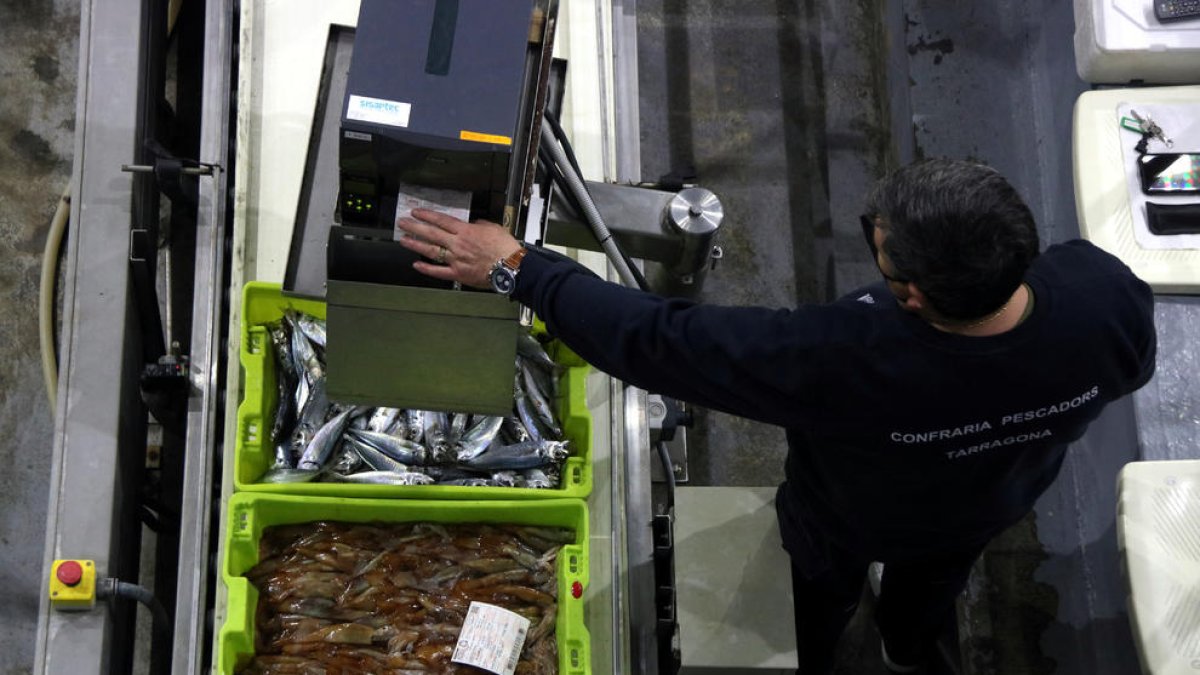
point(250, 434)
point(243, 522)
point(257, 339)
point(576, 657)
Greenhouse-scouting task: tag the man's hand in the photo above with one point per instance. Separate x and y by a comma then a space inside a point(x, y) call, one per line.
point(464, 252)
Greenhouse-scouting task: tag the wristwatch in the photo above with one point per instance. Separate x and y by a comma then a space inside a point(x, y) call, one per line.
point(504, 273)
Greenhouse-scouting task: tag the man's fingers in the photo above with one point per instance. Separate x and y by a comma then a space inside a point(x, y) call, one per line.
point(420, 247)
point(436, 271)
point(425, 231)
point(440, 220)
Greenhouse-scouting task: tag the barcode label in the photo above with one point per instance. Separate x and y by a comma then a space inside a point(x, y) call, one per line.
point(491, 638)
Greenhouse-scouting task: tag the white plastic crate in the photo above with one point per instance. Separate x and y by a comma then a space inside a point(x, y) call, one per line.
point(1120, 41)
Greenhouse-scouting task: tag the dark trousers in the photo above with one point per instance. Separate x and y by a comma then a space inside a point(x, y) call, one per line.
point(915, 599)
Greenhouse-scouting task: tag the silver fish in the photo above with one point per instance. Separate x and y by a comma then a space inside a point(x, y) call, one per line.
point(415, 421)
point(313, 329)
point(535, 478)
point(530, 348)
point(285, 408)
point(467, 482)
point(288, 476)
point(437, 426)
point(527, 415)
point(514, 431)
point(306, 357)
point(347, 459)
point(382, 419)
point(399, 449)
point(504, 479)
point(283, 456)
point(321, 446)
point(385, 478)
point(458, 424)
point(530, 455)
point(281, 345)
point(374, 458)
point(540, 404)
point(312, 417)
point(447, 474)
point(479, 437)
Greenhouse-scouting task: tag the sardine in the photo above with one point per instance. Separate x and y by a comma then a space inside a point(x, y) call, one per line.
point(321, 446)
point(540, 404)
point(527, 415)
point(281, 346)
point(530, 455)
point(312, 417)
point(347, 459)
point(479, 437)
point(283, 456)
point(288, 476)
point(306, 357)
point(504, 479)
point(529, 348)
point(405, 452)
point(467, 482)
point(535, 478)
point(285, 408)
point(415, 421)
point(313, 329)
point(436, 428)
point(385, 478)
point(458, 425)
point(514, 431)
point(382, 419)
point(374, 458)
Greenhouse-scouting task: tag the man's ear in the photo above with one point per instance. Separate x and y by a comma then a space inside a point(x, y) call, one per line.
point(916, 300)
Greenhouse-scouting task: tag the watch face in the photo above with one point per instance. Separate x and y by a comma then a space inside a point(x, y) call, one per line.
point(503, 280)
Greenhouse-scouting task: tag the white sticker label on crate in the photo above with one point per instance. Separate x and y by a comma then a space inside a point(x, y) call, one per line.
point(455, 203)
point(492, 638)
point(378, 110)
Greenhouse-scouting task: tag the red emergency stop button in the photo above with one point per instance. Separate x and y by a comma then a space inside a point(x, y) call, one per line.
point(70, 573)
point(576, 590)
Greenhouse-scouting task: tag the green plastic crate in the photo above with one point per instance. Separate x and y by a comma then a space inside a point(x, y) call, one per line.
point(263, 303)
point(250, 513)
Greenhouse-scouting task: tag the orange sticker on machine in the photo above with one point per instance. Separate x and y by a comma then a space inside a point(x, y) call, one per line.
point(484, 138)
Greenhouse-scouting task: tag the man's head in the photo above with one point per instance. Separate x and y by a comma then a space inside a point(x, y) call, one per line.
point(955, 230)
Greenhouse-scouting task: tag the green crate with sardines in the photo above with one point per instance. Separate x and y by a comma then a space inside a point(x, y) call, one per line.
point(292, 439)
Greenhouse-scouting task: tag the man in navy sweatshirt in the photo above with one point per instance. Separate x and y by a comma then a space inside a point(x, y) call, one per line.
point(924, 413)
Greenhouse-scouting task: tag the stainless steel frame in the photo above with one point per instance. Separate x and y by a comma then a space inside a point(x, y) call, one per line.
point(192, 600)
point(96, 441)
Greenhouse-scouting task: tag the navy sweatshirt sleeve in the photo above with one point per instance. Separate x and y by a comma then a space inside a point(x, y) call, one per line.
point(751, 362)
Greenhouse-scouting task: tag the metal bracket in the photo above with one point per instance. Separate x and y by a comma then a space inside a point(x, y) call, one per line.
point(668, 420)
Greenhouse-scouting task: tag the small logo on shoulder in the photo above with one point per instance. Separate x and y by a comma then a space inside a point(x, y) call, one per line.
point(867, 298)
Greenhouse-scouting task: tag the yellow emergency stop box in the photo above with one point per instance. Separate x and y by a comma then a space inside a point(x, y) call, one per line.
point(73, 584)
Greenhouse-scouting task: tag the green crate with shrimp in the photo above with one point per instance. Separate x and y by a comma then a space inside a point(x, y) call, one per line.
point(359, 585)
point(293, 440)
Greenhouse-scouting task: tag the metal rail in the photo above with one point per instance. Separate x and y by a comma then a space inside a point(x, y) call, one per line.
point(193, 602)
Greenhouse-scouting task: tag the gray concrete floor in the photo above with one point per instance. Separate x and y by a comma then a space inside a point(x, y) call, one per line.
point(38, 66)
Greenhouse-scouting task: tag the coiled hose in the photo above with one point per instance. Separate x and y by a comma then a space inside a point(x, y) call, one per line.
point(46, 296)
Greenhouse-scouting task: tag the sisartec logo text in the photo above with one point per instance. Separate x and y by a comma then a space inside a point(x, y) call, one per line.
point(369, 104)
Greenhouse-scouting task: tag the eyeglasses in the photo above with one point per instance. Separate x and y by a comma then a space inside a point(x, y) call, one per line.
point(868, 228)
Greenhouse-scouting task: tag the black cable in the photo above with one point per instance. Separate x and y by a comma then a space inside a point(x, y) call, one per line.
point(565, 142)
point(559, 179)
point(668, 471)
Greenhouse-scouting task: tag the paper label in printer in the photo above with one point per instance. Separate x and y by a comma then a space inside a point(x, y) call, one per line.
point(378, 110)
